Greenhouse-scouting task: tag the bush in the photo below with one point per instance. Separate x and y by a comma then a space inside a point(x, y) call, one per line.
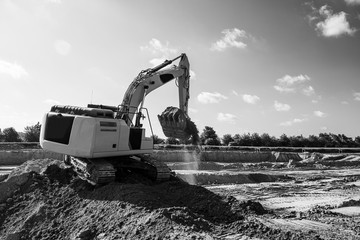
point(209, 137)
point(171, 140)
point(32, 133)
point(227, 139)
point(11, 135)
point(1, 136)
point(157, 139)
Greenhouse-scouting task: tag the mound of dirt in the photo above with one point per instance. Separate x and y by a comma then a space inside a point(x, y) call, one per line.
point(227, 177)
point(44, 199)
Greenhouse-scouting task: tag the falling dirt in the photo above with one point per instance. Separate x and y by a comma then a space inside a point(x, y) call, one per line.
point(44, 199)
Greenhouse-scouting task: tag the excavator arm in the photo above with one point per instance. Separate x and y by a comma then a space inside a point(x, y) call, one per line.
point(174, 121)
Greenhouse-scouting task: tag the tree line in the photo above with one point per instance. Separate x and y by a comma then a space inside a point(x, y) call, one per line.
point(31, 134)
point(210, 137)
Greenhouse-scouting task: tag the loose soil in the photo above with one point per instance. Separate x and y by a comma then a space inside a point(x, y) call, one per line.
point(316, 198)
point(44, 199)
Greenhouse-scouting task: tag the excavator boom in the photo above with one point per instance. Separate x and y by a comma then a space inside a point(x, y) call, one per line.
point(174, 121)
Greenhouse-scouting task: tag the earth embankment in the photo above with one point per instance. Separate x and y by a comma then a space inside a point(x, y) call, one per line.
point(44, 199)
point(19, 156)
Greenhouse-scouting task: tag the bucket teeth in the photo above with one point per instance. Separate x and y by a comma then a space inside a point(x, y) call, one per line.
point(174, 123)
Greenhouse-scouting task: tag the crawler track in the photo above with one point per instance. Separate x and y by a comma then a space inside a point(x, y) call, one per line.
point(105, 170)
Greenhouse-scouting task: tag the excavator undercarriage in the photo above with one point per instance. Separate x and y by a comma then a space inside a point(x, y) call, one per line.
point(105, 170)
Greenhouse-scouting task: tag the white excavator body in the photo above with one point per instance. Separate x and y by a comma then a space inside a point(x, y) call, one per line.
point(92, 137)
point(100, 141)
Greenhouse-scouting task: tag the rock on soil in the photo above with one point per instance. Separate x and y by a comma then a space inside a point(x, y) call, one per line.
point(44, 199)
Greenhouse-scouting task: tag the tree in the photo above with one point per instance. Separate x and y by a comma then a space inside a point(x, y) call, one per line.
point(284, 141)
point(157, 139)
point(1, 136)
point(326, 140)
point(236, 140)
point(245, 140)
point(256, 140)
point(171, 140)
point(267, 140)
point(209, 136)
point(296, 141)
point(357, 141)
point(226, 139)
point(313, 141)
point(11, 135)
point(345, 140)
point(32, 133)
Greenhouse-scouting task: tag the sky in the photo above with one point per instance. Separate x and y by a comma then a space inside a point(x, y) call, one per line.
point(257, 66)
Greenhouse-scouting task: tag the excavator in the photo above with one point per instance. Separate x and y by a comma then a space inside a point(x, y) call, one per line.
point(102, 142)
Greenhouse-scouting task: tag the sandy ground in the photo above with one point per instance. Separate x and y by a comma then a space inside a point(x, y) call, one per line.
point(318, 194)
point(317, 198)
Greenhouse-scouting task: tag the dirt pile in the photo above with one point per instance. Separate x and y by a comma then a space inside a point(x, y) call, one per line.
point(43, 199)
point(209, 178)
point(331, 160)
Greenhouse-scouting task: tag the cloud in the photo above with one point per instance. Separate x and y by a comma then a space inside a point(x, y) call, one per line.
point(292, 122)
point(51, 102)
point(193, 110)
point(232, 38)
point(206, 97)
point(318, 98)
point(334, 24)
point(62, 47)
point(345, 102)
point(308, 91)
point(281, 106)
point(13, 70)
point(357, 96)
point(252, 99)
point(192, 75)
point(288, 83)
point(319, 114)
point(166, 52)
point(226, 117)
point(235, 93)
point(156, 47)
point(352, 2)
point(157, 61)
point(284, 89)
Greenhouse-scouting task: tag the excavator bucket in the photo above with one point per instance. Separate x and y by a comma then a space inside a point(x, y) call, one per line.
point(175, 123)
